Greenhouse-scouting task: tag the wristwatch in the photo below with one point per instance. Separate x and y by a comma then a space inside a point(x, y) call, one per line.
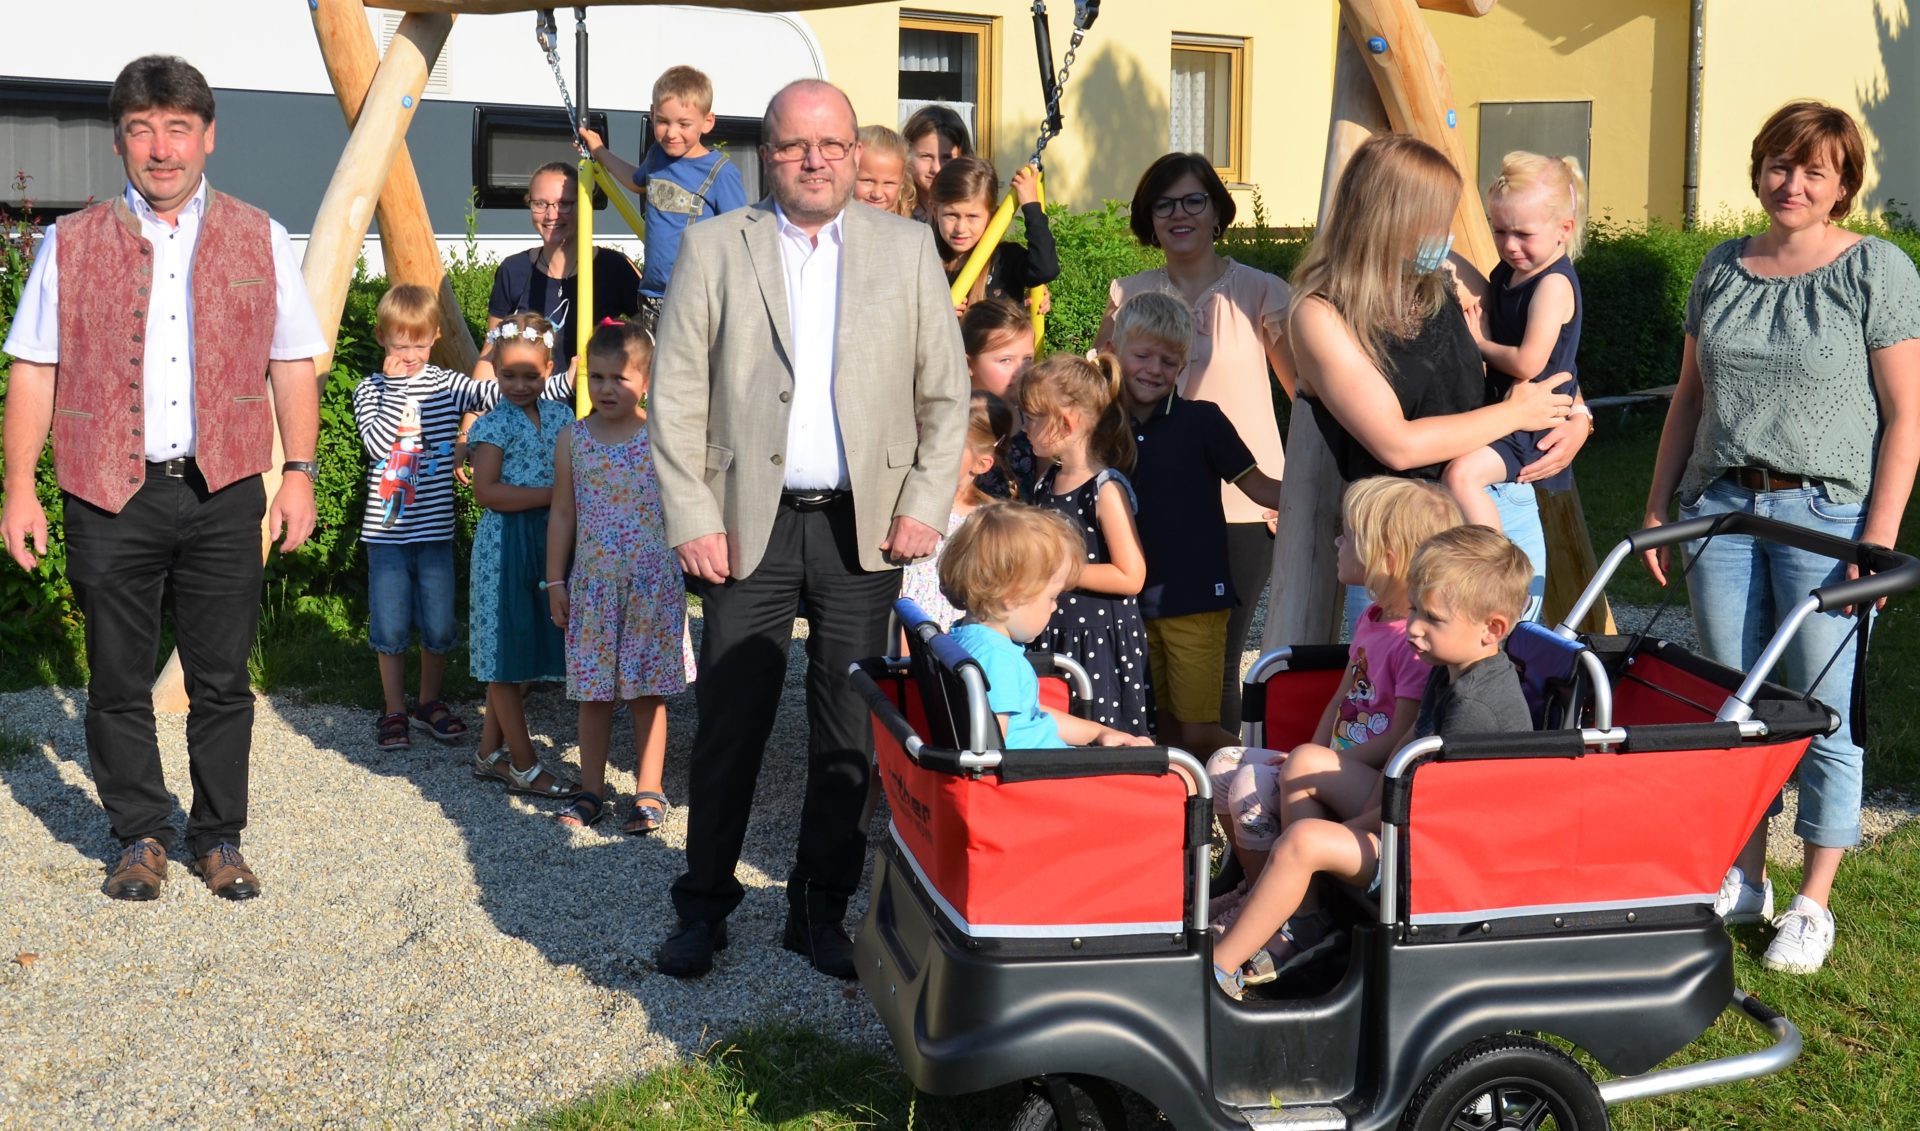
point(305, 466)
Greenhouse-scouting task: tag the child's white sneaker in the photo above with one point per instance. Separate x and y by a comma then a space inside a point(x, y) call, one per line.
point(1741, 902)
point(1806, 935)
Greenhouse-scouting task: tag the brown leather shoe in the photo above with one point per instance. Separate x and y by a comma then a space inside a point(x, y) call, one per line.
point(227, 875)
point(141, 872)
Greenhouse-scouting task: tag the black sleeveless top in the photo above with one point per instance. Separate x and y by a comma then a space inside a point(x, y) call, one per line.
point(1436, 372)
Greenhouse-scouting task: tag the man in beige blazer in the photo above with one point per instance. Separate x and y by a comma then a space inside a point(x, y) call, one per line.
point(809, 406)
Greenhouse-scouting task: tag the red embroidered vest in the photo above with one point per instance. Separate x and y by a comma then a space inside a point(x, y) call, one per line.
point(106, 272)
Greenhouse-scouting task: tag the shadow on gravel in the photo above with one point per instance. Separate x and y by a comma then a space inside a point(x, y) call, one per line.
point(39, 781)
point(596, 901)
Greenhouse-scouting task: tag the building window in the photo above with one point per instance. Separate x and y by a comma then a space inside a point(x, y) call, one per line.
point(949, 59)
point(1554, 129)
point(58, 135)
point(1207, 100)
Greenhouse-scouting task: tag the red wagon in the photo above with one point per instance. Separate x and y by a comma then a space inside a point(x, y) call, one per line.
point(1039, 915)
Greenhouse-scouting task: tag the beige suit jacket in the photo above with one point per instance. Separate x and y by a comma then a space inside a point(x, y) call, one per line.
point(723, 381)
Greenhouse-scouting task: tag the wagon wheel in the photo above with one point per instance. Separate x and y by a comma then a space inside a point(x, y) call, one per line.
point(1095, 1105)
point(1507, 1084)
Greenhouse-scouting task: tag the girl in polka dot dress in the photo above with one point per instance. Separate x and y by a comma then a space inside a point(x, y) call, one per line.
point(1077, 426)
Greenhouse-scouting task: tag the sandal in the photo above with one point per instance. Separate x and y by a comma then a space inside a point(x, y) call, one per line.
point(391, 732)
point(587, 809)
point(438, 720)
point(1300, 934)
point(498, 766)
point(644, 815)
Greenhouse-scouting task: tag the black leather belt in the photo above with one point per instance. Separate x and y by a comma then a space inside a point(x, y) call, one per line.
point(812, 500)
point(1767, 479)
point(172, 469)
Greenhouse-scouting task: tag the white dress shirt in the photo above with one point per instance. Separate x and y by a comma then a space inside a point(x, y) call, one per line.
point(167, 369)
point(816, 458)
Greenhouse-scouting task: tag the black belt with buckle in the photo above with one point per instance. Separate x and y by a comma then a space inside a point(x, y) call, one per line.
point(178, 468)
point(812, 500)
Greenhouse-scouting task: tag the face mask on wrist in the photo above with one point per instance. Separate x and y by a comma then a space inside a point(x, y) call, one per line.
point(1431, 255)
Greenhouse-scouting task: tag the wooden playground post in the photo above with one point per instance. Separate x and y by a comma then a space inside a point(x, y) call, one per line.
point(406, 232)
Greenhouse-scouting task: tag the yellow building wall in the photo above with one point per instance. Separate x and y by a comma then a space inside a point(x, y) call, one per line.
point(1116, 101)
point(1627, 57)
point(1860, 55)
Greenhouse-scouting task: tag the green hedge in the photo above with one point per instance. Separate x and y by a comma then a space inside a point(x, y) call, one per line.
point(1635, 278)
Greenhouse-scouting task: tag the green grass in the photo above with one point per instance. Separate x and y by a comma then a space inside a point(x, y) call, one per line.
point(773, 1078)
point(14, 748)
point(317, 647)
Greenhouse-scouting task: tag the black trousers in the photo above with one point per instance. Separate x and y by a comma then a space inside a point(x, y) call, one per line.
point(174, 544)
point(1249, 563)
point(811, 556)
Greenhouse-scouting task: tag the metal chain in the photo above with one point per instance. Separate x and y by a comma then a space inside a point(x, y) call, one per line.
point(1047, 132)
point(547, 34)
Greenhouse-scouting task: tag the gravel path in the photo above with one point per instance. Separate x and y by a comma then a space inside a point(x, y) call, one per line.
point(428, 953)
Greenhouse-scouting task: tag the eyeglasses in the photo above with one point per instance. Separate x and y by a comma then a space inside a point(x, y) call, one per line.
point(542, 207)
point(832, 149)
point(1193, 204)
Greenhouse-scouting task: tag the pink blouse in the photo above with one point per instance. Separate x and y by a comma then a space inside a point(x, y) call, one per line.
point(1240, 325)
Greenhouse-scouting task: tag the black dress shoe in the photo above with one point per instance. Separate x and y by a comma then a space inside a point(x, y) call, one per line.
point(688, 951)
point(824, 945)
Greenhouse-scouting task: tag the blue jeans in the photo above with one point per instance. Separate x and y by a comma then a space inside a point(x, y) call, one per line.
point(1741, 589)
point(410, 585)
point(1520, 519)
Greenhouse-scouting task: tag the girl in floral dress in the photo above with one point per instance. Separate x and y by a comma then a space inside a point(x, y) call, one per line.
point(513, 642)
point(622, 602)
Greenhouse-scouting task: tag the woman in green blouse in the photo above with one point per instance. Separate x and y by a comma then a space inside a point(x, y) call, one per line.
point(1798, 400)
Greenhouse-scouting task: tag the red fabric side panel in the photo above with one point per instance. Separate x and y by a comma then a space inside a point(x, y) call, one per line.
point(1056, 694)
point(1636, 704)
point(1295, 702)
point(1548, 832)
point(1081, 851)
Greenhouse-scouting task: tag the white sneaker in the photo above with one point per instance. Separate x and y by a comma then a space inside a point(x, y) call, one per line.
point(1806, 935)
point(1740, 902)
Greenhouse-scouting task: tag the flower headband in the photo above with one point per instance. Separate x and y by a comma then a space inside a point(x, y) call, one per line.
point(507, 331)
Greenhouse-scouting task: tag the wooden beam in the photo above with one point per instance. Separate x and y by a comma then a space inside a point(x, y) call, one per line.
point(406, 232)
point(347, 208)
point(1304, 599)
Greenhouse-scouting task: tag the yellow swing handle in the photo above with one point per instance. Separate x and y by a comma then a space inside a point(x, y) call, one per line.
point(983, 251)
point(583, 285)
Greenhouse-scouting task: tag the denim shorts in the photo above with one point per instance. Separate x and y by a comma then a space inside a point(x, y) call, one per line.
point(1741, 590)
point(410, 585)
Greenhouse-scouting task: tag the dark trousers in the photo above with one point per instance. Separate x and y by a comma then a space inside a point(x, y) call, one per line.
point(174, 544)
point(812, 555)
point(1249, 563)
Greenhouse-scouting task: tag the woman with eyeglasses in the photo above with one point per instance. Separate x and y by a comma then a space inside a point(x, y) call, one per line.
point(543, 279)
point(1239, 350)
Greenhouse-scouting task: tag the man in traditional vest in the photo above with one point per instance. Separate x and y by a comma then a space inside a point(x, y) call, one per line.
point(149, 330)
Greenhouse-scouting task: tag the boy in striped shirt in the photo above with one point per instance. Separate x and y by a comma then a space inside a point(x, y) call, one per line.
point(409, 420)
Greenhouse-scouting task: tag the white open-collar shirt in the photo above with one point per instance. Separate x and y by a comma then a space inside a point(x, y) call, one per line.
point(167, 368)
point(816, 458)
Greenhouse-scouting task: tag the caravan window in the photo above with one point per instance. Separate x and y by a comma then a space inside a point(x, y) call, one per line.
point(58, 136)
